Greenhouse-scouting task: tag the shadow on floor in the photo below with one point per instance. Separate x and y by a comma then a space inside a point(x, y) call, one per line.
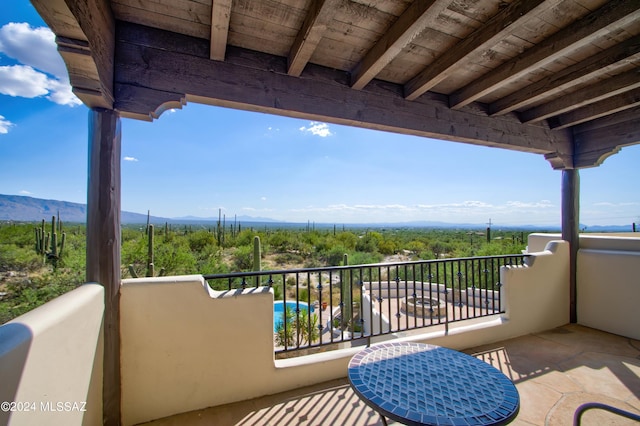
point(554, 371)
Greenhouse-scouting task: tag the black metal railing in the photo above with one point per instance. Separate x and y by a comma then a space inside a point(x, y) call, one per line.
point(332, 305)
point(577, 416)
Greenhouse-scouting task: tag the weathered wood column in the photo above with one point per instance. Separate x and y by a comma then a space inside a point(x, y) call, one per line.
point(571, 230)
point(103, 244)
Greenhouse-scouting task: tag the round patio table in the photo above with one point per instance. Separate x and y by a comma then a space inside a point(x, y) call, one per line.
point(420, 384)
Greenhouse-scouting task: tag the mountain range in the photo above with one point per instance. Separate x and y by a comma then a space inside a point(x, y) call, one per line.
point(28, 209)
point(21, 208)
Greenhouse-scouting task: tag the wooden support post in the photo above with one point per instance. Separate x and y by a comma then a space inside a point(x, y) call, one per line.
point(571, 231)
point(103, 244)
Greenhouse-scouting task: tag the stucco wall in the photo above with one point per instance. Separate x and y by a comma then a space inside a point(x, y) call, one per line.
point(537, 242)
point(186, 347)
point(607, 280)
point(608, 290)
point(181, 347)
point(51, 362)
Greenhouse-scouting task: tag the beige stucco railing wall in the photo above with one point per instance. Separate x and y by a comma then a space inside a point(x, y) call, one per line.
point(608, 284)
point(51, 362)
point(607, 280)
point(538, 242)
point(186, 347)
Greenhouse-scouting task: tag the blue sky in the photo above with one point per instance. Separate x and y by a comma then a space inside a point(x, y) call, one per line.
point(200, 159)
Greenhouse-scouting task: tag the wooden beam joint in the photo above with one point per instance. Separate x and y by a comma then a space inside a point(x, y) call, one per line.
point(315, 24)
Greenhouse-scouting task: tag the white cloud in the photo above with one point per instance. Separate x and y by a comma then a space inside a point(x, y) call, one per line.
point(25, 192)
point(62, 94)
point(457, 206)
point(133, 159)
point(381, 207)
point(5, 125)
point(23, 81)
point(361, 208)
point(461, 207)
point(255, 210)
point(263, 198)
point(543, 204)
point(42, 71)
point(317, 129)
point(608, 204)
point(32, 46)
point(474, 210)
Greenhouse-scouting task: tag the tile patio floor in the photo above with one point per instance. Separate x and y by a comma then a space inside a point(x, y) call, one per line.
point(554, 372)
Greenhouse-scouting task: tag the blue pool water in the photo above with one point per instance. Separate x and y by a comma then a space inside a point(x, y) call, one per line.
point(278, 311)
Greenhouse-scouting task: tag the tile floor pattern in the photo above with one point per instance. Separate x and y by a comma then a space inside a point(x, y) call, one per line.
point(554, 372)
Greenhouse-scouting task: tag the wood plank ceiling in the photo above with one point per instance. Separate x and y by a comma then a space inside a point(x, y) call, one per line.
point(554, 77)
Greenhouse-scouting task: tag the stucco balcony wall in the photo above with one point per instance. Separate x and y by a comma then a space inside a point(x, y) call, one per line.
point(186, 347)
point(51, 362)
point(607, 280)
point(608, 290)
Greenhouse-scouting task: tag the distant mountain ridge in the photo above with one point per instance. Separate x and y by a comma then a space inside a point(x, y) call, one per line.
point(22, 208)
point(28, 209)
point(215, 219)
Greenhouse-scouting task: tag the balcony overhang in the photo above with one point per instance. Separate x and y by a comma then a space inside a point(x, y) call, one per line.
point(142, 61)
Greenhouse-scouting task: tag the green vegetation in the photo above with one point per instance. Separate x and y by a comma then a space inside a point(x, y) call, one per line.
point(29, 278)
point(299, 331)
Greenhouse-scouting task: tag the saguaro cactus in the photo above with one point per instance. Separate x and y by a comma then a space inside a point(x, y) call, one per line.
point(40, 239)
point(150, 253)
point(47, 243)
point(257, 265)
point(150, 265)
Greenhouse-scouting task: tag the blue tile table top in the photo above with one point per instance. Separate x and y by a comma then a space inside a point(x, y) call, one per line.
point(420, 384)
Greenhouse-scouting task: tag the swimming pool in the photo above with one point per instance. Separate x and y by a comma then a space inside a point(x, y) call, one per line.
point(278, 310)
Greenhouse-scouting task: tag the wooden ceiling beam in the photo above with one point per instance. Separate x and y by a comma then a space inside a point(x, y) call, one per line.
point(318, 18)
point(499, 26)
point(82, 71)
point(591, 94)
point(585, 31)
point(133, 101)
point(85, 34)
point(418, 16)
point(146, 60)
point(596, 140)
point(220, 16)
point(600, 109)
point(606, 62)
